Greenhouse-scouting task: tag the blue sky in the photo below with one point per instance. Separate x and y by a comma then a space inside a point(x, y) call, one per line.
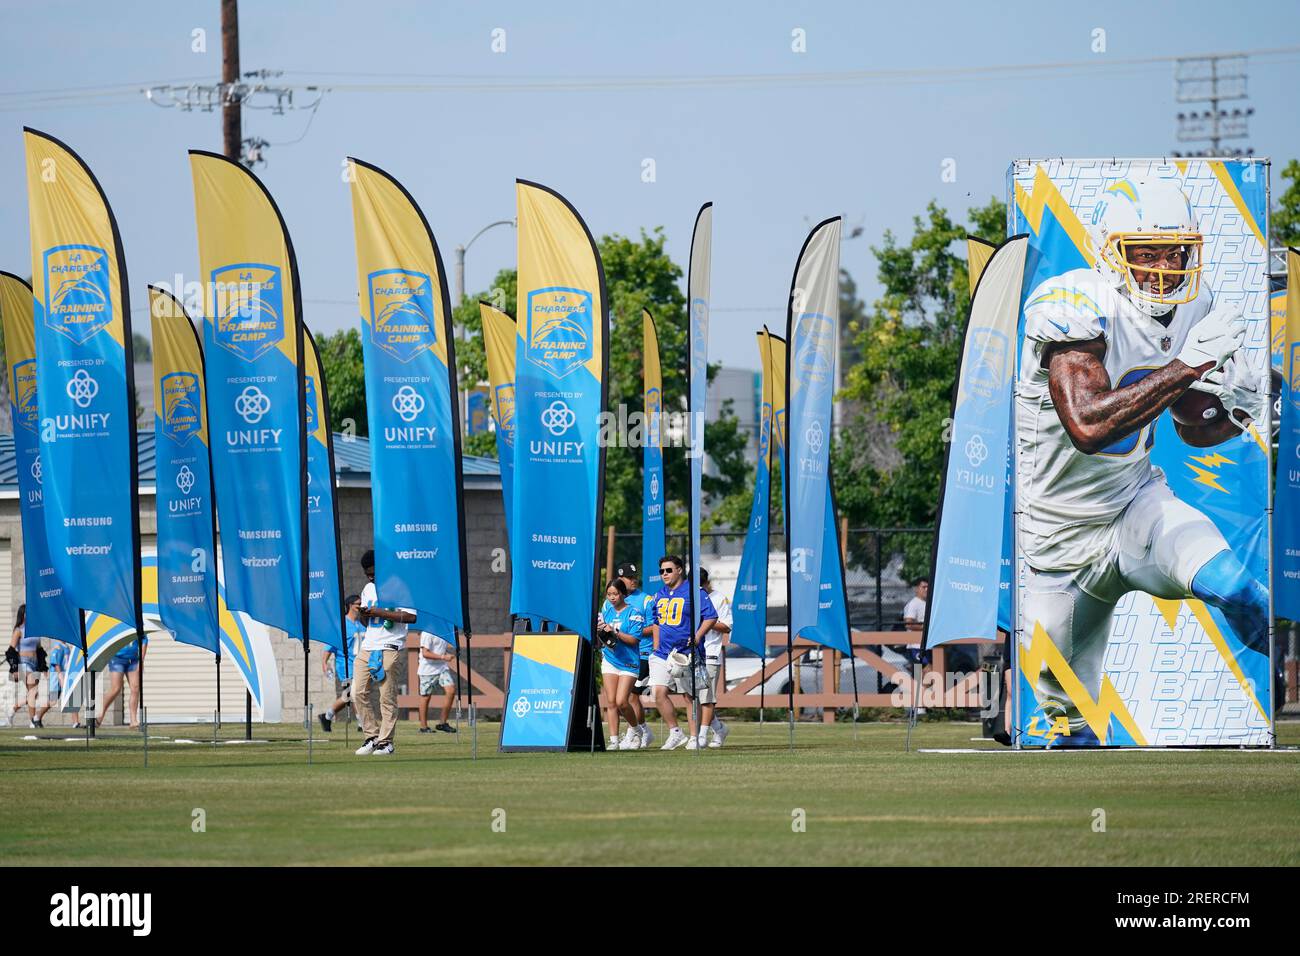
point(774, 158)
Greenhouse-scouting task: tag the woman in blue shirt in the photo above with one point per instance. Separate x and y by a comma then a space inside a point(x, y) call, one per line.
point(619, 631)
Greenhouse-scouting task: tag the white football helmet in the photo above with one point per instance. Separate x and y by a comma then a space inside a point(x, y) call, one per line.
point(1147, 213)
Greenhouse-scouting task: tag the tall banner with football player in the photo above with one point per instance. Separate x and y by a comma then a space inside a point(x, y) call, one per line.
point(698, 279)
point(499, 336)
point(85, 383)
point(324, 559)
point(253, 345)
point(412, 403)
point(653, 490)
point(561, 378)
point(1142, 460)
point(187, 520)
point(50, 611)
point(965, 594)
point(749, 606)
point(1286, 500)
point(813, 557)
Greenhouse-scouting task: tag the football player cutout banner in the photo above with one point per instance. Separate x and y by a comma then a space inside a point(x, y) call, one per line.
point(50, 611)
point(654, 492)
point(413, 404)
point(186, 518)
point(1142, 471)
point(85, 387)
point(1286, 516)
point(253, 348)
point(561, 390)
point(813, 556)
point(965, 594)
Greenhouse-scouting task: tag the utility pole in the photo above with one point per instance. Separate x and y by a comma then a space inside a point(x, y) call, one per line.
point(1212, 80)
point(254, 87)
point(231, 117)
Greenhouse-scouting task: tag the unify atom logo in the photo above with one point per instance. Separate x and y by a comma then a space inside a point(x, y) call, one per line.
point(77, 299)
point(252, 404)
point(559, 329)
point(81, 388)
point(36, 470)
point(521, 707)
point(654, 487)
point(185, 479)
point(408, 403)
point(976, 451)
point(815, 436)
point(558, 418)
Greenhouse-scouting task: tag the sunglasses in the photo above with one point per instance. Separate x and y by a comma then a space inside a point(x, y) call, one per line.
point(668, 570)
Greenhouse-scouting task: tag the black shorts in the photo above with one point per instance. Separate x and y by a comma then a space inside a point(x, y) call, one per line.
point(644, 673)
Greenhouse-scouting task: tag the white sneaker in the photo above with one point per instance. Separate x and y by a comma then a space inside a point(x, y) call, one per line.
point(719, 736)
point(612, 744)
point(675, 739)
point(384, 751)
point(693, 743)
point(367, 748)
point(631, 740)
point(647, 737)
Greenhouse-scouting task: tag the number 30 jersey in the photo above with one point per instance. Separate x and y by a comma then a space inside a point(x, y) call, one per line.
point(1069, 500)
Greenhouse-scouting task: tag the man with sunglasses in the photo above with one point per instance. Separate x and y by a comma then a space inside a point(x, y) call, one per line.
point(672, 633)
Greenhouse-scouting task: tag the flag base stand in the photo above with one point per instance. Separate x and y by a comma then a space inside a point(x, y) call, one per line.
point(144, 728)
point(913, 710)
point(548, 704)
point(310, 736)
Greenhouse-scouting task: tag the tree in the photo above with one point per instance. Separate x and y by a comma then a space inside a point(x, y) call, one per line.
point(141, 349)
point(888, 459)
point(345, 379)
point(638, 274)
point(1286, 218)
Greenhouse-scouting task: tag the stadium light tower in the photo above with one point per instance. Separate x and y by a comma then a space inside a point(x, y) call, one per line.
point(1212, 80)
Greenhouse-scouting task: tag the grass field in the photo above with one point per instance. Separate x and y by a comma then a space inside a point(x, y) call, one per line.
point(866, 802)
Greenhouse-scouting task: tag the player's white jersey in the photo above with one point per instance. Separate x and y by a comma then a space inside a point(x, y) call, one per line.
point(1069, 500)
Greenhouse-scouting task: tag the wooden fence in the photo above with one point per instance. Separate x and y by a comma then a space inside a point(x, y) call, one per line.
point(937, 690)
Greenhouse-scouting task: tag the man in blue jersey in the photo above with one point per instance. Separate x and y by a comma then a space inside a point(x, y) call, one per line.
point(672, 635)
point(638, 736)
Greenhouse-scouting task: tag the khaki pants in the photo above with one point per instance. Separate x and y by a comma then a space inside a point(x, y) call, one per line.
point(363, 687)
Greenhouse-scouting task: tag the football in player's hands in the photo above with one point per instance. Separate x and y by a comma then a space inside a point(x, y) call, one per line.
point(1197, 408)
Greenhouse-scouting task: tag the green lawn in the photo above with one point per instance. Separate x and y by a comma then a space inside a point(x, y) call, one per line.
point(866, 802)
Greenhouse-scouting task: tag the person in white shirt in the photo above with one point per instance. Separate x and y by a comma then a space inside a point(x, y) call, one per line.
point(435, 672)
point(914, 610)
point(709, 720)
point(381, 649)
